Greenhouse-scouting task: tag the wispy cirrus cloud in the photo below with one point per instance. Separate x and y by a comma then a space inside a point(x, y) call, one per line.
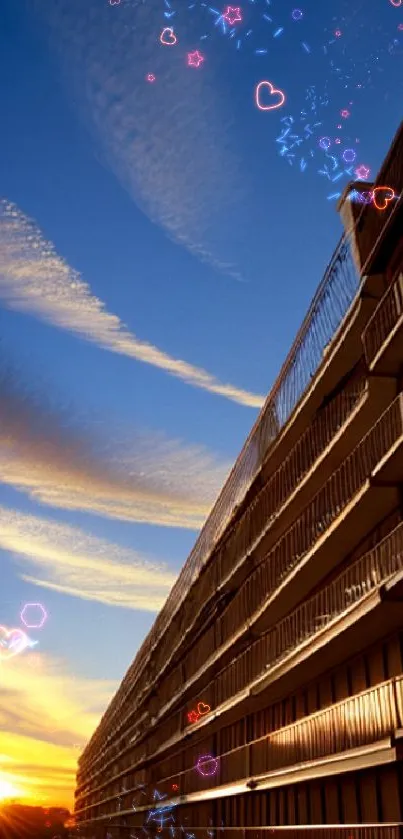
point(173, 143)
point(75, 563)
point(45, 711)
point(145, 478)
point(34, 279)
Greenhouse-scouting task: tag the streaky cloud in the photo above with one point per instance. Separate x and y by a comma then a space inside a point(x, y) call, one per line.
point(145, 478)
point(78, 564)
point(35, 280)
point(173, 143)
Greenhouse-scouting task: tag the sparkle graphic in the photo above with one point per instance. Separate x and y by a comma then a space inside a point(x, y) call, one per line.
point(325, 143)
point(345, 113)
point(195, 59)
point(387, 198)
point(296, 14)
point(33, 615)
point(168, 37)
point(150, 77)
point(232, 15)
point(272, 92)
point(207, 765)
point(12, 642)
point(349, 155)
point(362, 172)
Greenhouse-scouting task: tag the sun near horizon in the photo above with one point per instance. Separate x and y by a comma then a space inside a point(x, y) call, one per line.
point(9, 790)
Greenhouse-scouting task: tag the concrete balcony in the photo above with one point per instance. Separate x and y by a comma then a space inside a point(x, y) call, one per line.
point(383, 335)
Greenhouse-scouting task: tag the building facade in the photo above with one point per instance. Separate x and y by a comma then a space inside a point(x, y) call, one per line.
point(268, 696)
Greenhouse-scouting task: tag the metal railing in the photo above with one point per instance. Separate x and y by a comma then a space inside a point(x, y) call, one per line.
point(308, 448)
point(358, 721)
point(364, 574)
point(307, 621)
point(383, 320)
point(328, 308)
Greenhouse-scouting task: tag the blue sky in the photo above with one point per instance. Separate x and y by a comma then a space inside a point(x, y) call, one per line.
point(172, 206)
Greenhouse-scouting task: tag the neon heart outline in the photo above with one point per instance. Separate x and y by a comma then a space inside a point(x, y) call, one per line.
point(387, 200)
point(7, 633)
point(168, 43)
point(273, 90)
point(203, 705)
point(396, 5)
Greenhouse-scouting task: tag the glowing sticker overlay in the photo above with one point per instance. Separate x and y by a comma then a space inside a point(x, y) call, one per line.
point(344, 113)
point(338, 33)
point(203, 709)
point(35, 614)
point(150, 77)
point(362, 172)
point(12, 642)
point(232, 15)
point(297, 14)
point(396, 3)
point(168, 37)
point(349, 155)
point(207, 765)
point(325, 143)
point(195, 59)
point(114, 2)
point(273, 91)
point(390, 196)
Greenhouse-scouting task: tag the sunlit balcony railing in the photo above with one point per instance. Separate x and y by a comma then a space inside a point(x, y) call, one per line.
point(359, 721)
point(383, 321)
point(305, 623)
point(330, 304)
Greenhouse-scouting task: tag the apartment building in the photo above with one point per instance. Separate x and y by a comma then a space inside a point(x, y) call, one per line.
point(268, 696)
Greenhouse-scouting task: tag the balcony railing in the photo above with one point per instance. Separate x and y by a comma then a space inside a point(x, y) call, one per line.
point(384, 319)
point(361, 720)
point(307, 621)
point(330, 304)
point(366, 573)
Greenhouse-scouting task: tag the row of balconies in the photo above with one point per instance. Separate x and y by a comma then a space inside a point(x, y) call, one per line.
point(311, 536)
point(298, 463)
point(332, 300)
point(312, 444)
point(208, 831)
point(329, 742)
point(308, 622)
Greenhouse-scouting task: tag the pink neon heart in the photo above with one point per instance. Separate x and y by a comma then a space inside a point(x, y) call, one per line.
point(386, 198)
point(9, 645)
point(273, 92)
point(396, 4)
point(168, 39)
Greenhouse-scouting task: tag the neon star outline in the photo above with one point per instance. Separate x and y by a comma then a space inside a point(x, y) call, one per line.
point(362, 172)
point(232, 15)
point(195, 59)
